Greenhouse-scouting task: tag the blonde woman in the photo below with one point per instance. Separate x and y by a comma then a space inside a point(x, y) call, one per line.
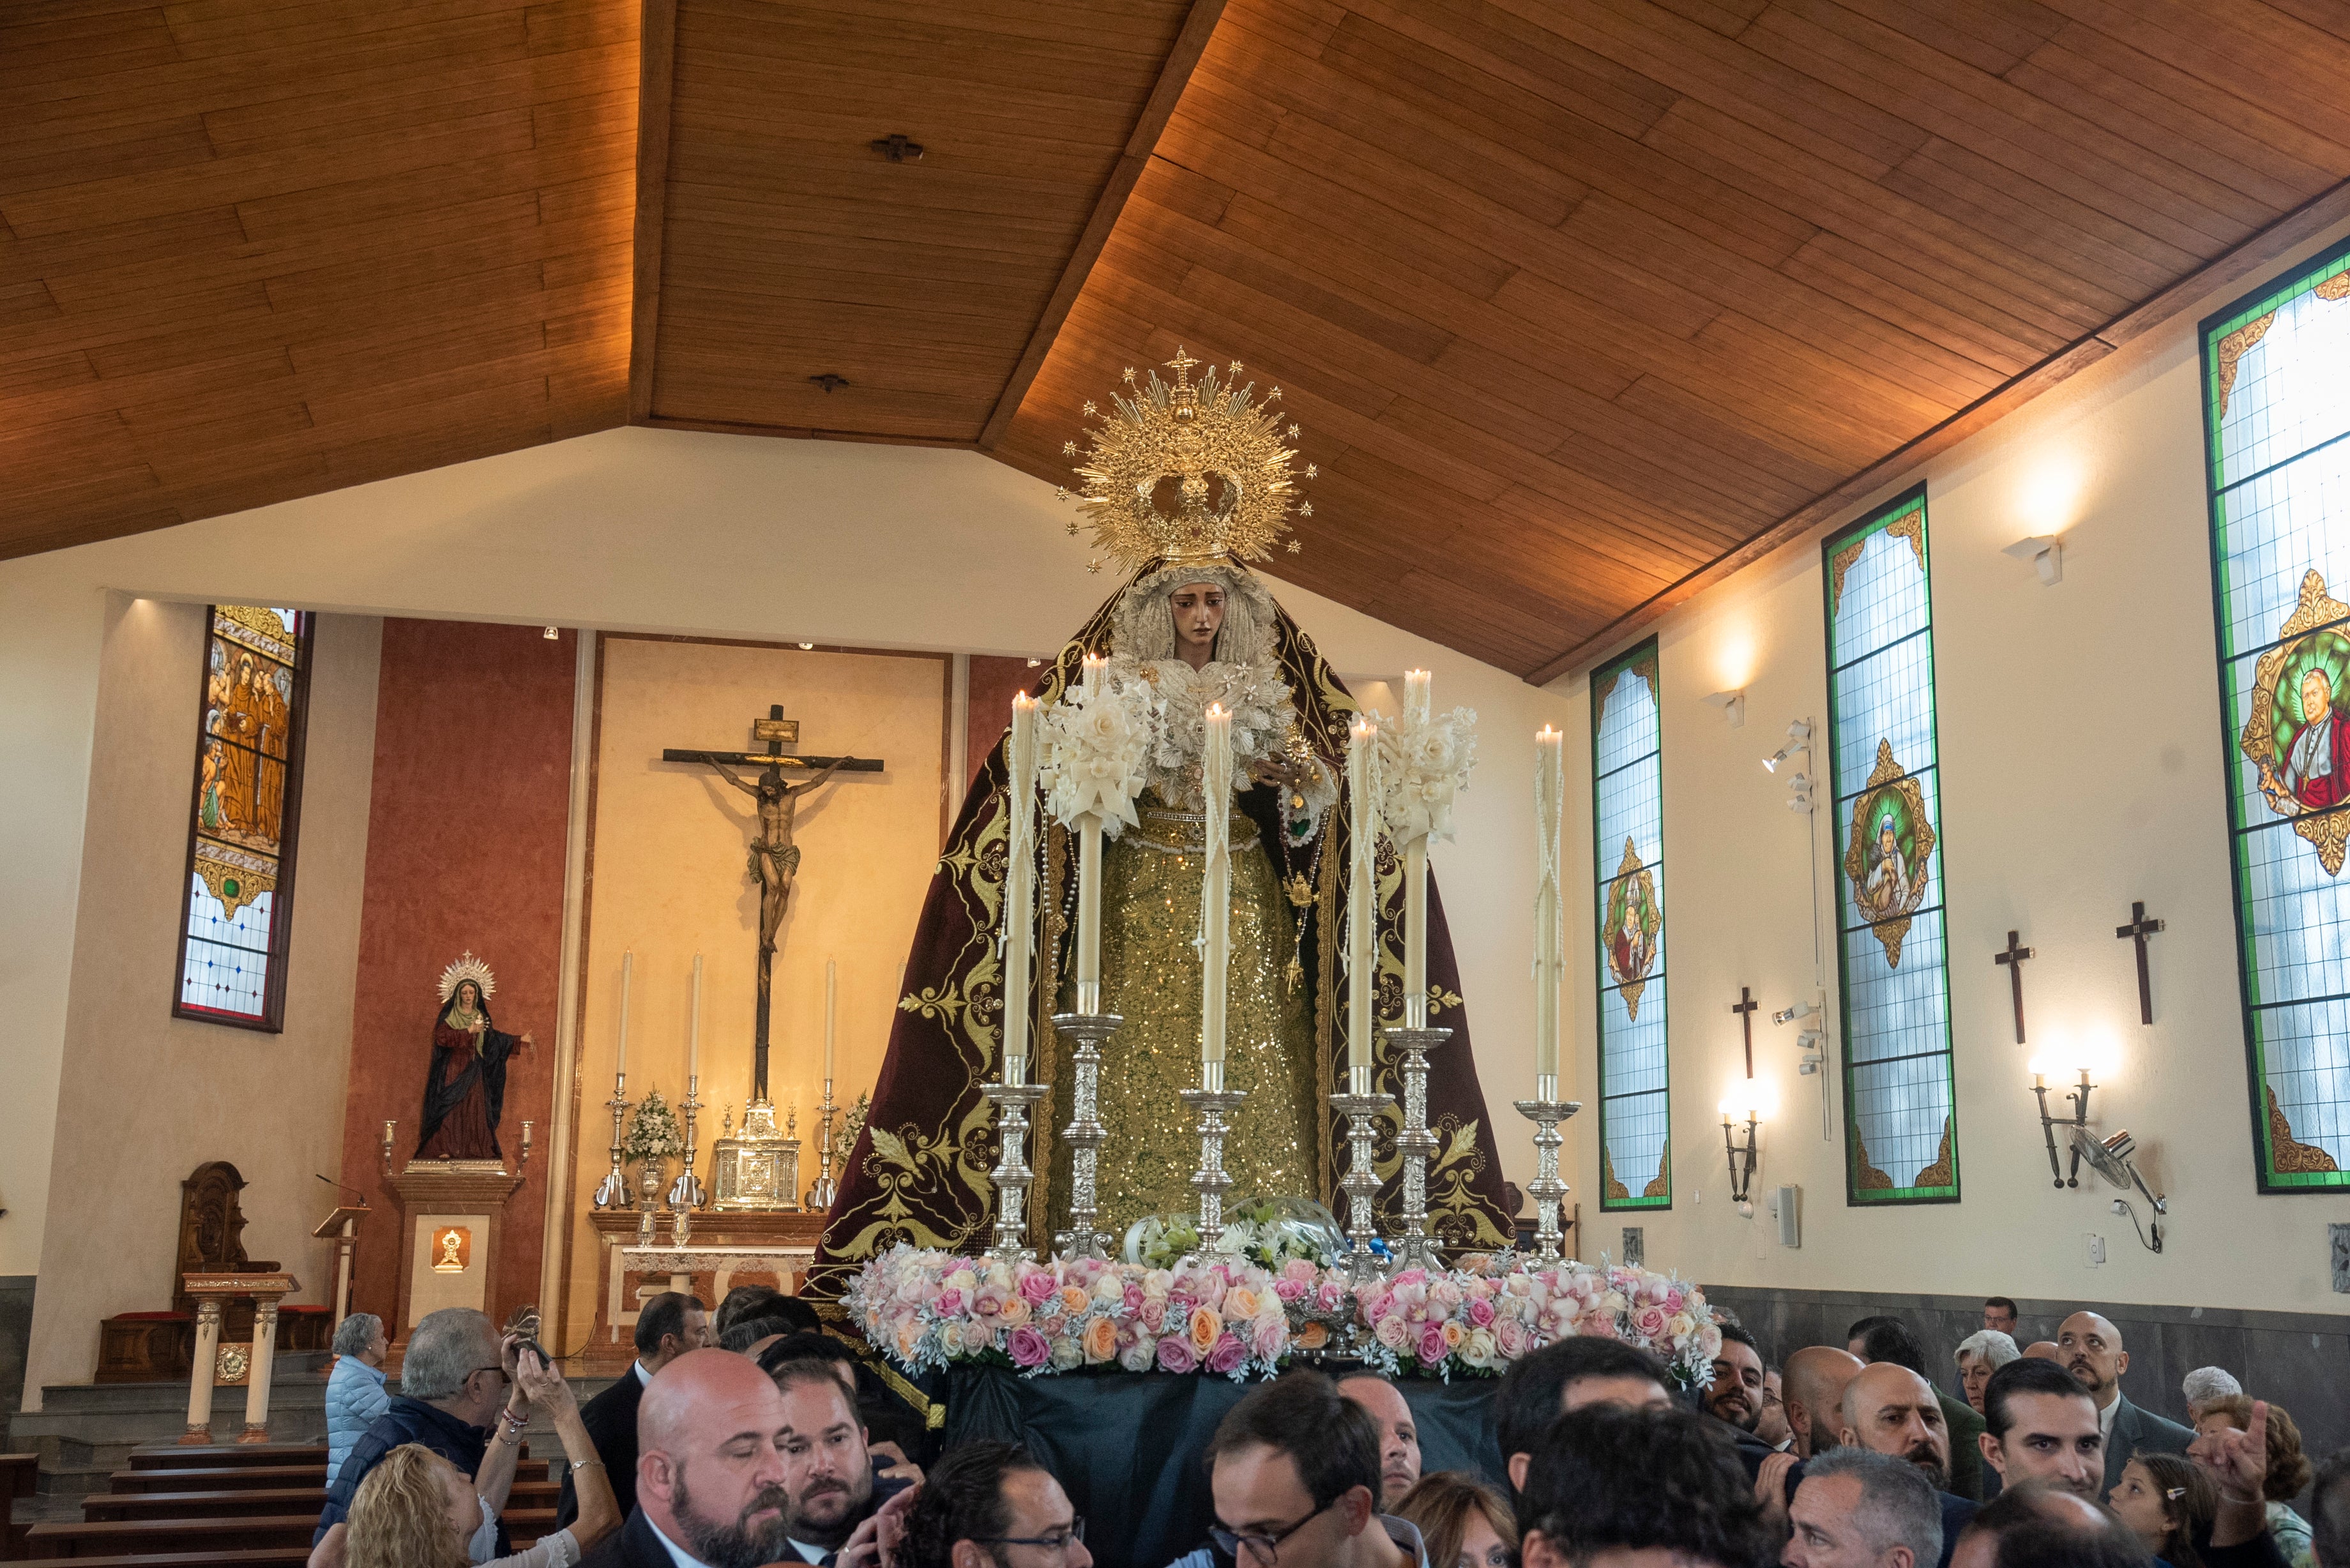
point(416, 1510)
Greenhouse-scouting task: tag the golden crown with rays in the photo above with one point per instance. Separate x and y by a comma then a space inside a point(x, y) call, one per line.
point(465, 969)
point(1227, 451)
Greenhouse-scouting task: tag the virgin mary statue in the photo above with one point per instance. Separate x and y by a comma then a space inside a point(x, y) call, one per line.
point(1198, 626)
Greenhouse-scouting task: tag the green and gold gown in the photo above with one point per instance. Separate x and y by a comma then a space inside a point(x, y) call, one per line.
point(1150, 977)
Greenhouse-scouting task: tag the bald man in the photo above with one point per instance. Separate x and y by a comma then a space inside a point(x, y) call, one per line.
point(1889, 1410)
point(711, 1469)
point(2043, 1350)
point(1812, 1386)
point(2090, 1348)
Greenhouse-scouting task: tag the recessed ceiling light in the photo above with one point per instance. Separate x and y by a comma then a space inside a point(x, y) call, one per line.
point(807, 645)
point(551, 634)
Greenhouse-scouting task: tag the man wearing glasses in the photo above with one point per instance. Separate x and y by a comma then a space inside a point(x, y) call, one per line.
point(988, 1505)
point(1295, 1472)
point(455, 1381)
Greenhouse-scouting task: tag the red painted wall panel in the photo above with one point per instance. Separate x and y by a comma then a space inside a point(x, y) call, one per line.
point(466, 832)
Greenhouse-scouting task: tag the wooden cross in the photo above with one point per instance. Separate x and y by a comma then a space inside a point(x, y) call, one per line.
point(774, 859)
point(1745, 1007)
point(2013, 958)
point(2137, 930)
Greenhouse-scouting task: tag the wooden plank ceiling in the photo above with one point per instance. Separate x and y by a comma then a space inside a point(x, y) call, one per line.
point(1579, 304)
point(252, 250)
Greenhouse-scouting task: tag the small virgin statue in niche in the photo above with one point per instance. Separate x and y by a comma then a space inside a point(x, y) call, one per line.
point(466, 1088)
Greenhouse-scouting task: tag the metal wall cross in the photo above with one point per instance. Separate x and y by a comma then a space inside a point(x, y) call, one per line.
point(2137, 930)
point(1745, 1007)
point(2013, 958)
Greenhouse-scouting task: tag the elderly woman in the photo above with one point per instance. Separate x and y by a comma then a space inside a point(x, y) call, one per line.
point(416, 1510)
point(355, 1392)
point(1980, 1354)
point(2205, 1385)
point(1463, 1522)
point(2289, 1469)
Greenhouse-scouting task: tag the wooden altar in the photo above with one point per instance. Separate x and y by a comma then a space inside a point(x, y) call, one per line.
point(451, 1223)
point(217, 1363)
point(725, 1250)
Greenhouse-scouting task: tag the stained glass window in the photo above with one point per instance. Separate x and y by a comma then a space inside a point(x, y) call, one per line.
point(2276, 368)
point(1901, 1141)
point(1628, 815)
point(248, 792)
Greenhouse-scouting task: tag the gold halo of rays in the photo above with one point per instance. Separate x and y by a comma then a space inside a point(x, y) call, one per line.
point(1229, 453)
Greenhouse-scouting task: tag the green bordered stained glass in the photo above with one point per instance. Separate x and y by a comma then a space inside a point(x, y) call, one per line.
point(2276, 382)
point(1901, 1134)
point(1628, 815)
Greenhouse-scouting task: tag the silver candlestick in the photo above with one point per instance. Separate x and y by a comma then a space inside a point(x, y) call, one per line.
point(686, 1194)
point(1546, 1110)
point(1361, 1108)
point(612, 1192)
point(1085, 1134)
point(1012, 1178)
point(1414, 1249)
point(820, 1196)
point(1213, 1103)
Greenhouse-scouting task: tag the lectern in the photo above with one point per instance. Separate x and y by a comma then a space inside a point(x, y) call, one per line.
point(342, 1227)
point(228, 1364)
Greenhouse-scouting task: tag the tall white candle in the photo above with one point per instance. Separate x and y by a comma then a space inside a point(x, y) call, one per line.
point(1216, 882)
point(831, 997)
point(1549, 950)
point(628, 963)
point(1416, 696)
point(693, 1035)
point(1020, 894)
point(1089, 863)
point(1362, 894)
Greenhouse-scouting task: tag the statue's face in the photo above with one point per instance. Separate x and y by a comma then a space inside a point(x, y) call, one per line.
point(1199, 614)
point(469, 995)
point(2316, 696)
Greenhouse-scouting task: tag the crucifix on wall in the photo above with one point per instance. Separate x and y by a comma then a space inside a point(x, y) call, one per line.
point(2137, 930)
point(774, 859)
point(2014, 959)
point(1745, 1007)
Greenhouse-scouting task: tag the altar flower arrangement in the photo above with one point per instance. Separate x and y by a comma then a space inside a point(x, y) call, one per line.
point(1424, 764)
point(1228, 1316)
point(1267, 1231)
point(1254, 694)
point(653, 1132)
point(1097, 750)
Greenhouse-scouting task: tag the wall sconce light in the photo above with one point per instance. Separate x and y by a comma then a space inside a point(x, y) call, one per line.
point(2046, 554)
point(1742, 1158)
point(552, 635)
point(1732, 705)
point(2048, 1123)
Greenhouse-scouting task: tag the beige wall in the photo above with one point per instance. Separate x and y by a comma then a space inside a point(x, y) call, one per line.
point(143, 1098)
point(2080, 751)
point(626, 530)
point(668, 843)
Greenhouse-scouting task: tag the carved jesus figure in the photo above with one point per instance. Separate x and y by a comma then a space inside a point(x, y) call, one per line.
point(775, 858)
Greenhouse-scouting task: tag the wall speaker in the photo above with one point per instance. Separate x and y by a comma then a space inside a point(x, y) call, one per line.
point(1784, 1203)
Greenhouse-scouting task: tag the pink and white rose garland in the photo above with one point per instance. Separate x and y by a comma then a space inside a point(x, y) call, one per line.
point(1231, 1318)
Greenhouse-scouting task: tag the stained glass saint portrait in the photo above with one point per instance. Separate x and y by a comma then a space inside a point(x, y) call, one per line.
point(1628, 848)
point(2276, 368)
point(247, 797)
point(1900, 1107)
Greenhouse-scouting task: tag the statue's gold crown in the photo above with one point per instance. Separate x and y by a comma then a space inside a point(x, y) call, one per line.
point(1227, 451)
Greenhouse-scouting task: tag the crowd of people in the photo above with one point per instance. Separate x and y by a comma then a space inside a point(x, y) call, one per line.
point(744, 1438)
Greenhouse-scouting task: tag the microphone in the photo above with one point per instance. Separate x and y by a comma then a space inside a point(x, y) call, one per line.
point(352, 1190)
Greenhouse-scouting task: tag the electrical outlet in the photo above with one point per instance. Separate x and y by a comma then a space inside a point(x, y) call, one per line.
point(2096, 1251)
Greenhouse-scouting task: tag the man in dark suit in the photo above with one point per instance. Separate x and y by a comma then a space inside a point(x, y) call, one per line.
point(668, 1326)
point(713, 1415)
point(1889, 1339)
point(1890, 1410)
point(2091, 1350)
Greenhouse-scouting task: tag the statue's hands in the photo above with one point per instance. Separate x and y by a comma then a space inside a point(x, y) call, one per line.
point(1279, 771)
point(529, 1041)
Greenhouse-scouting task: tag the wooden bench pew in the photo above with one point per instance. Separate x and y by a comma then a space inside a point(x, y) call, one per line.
point(20, 1475)
point(264, 1557)
point(213, 1456)
point(225, 1478)
point(115, 1538)
point(262, 1502)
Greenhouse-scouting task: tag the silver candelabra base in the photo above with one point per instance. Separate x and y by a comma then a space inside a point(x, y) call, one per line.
point(1546, 1110)
point(1085, 1134)
point(612, 1192)
point(1213, 1103)
point(1011, 1174)
point(1415, 1248)
point(1361, 1184)
point(820, 1196)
